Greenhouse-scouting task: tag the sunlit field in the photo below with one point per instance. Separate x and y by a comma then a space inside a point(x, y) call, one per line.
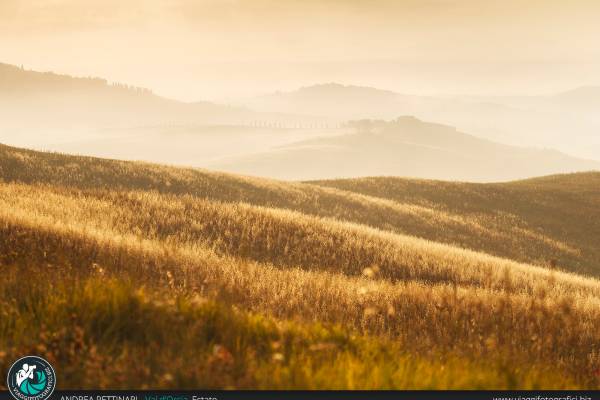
point(371, 283)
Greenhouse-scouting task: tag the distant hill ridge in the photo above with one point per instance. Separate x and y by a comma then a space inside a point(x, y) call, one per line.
point(333, 87)
point(61, 101)
point(20, 79)
point(405, 146)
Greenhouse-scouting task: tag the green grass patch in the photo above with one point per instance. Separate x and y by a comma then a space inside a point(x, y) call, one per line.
point(100, 332)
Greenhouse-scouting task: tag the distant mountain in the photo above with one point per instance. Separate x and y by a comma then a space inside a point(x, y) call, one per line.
point(586, 97)
point(91, 116)
point(334, 89)
point(355, 102)
point(581, 100)
point(48, 100)
point(405, 147)
point(567, 121)
point(333, 100)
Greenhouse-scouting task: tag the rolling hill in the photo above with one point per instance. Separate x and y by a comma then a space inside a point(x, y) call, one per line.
point(566, 121)
point(584, 98)
point(405, 146)
point(63, 101)
point(392, 283)
point(334, 100)
point(49, 111)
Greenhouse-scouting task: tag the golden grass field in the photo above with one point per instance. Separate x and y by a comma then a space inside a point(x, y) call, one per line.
point(370, 283)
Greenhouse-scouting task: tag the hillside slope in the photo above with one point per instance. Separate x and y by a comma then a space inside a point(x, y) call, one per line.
point(405, 147)
point(334, 100)
point(91, 116)
point(523, 233)
point(63, 101)
point(561, 207)
point(293, 253)
point(519, 121)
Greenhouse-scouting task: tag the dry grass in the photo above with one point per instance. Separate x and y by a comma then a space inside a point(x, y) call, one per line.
point(553, 221)
point(281, 237)
point(194, 237)
point(105, 333)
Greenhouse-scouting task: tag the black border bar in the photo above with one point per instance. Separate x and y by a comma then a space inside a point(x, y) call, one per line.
point(306, 395)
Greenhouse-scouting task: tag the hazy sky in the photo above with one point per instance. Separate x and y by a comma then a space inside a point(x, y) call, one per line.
point(216, 49)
